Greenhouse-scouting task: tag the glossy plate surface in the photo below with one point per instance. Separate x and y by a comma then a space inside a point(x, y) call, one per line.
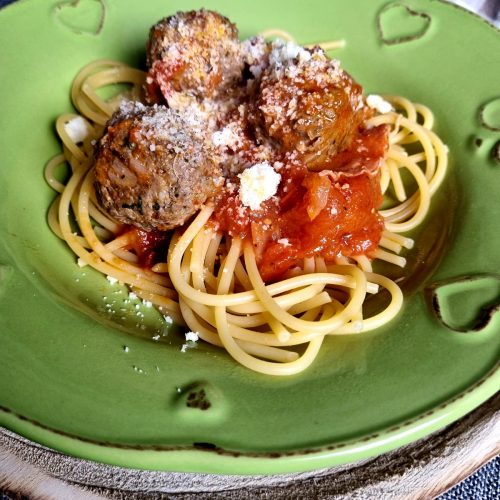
point(97, 386)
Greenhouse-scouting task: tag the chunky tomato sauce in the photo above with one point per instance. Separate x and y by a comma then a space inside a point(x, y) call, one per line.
point(311, 215)
point(149, 246)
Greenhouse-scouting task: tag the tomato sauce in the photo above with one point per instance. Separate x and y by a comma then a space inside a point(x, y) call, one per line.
point(149, 246)
point(313, 214)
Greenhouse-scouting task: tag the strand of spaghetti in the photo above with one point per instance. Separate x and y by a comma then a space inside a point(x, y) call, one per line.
point(277, 33)
point(355, 302)
point(397, 183)
point(382, 318)
point(417, 157)
point(364, 262)
point(52, 218)
point(285, 301)
point(126, 255)
point(309, 265)
point(49, 175)
point(316, 301)
point(103, 220)
point(160, 267)
point(390, 245)
point(389, 257)
point(224, 271)
point(242, 276)
point(442, 162)
point(168, 303)
point(385, 178)
point(404, 241)
point(404, 103)
point(426, 114)
point(245, 322)
point(320, 265)
point(282, 334)
point(198, 323)
point(210, 258)
point(196, 265)
point(253, 320)
point(267, 352)
point(212, 251)
point(102, 233)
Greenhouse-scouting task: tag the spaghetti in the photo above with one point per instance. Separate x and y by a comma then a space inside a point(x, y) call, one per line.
point(210, 283)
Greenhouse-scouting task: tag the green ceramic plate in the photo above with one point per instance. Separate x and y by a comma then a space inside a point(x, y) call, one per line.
point(97, 386)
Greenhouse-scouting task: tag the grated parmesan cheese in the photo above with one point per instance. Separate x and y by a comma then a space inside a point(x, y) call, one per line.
point(225, 137)
point(257, 184)
point(286, 51)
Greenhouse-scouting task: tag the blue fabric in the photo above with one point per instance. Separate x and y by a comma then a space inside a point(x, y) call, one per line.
point(485, 483)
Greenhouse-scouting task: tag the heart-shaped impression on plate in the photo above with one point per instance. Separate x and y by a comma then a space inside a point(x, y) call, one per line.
point(489, 114)
point(398, 23)
point(466, 303)
point(81, 16)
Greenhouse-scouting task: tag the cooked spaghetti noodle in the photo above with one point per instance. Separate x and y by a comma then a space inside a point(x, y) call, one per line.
point(210, 283)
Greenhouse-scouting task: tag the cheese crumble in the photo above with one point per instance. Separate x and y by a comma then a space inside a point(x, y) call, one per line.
point(192, 336)
point(257, 184)
point(378, 103)
point(77, 130)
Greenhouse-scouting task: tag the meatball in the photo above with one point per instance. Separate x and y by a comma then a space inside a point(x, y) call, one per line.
point(194, 53)
point(152, 168)
point(305, 102)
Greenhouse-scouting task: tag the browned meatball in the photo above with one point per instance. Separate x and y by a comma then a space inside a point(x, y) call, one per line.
point(196, 53)
point(152, 168)
point(306, 103)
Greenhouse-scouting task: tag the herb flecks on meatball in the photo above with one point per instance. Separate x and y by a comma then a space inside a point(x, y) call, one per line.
point(305, 102)
point(153, 169)
point(194, 54)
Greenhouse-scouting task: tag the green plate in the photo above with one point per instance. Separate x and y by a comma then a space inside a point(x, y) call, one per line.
point(95, 385)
